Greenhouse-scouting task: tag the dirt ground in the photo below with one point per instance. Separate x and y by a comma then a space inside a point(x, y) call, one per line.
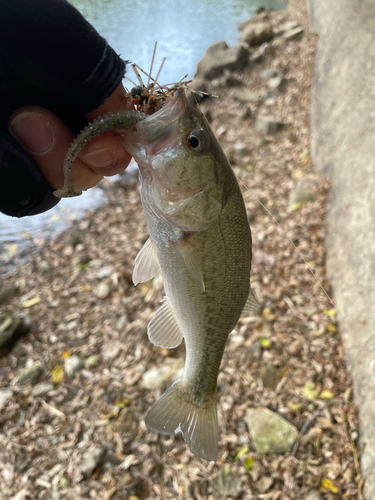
point(84, 436)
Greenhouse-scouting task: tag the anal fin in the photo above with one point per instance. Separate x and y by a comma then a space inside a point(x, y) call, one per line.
point(146, 263)
point(175, 413)
point(163, 329)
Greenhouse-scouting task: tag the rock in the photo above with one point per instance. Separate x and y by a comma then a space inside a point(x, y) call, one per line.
point(287, 26)
point(306, 190)
point(244, 95)
point(7, 291)
point(278, 43)
point(11, 329)
point(267, 125)
point(170, 371)
point(31, 374)
point(200, 85)
point(313, 495)
point(102, 290)
point(91, 460)
point(272, 375)
point(42, 389)
point(44, 266)
point(270, 433)
point(277, 83)
point(220, 57)
point(105, 272)
point(5, 395)
point(267, 73)
point(258, 55)
point(231, 80)
point(241, 149)
point(294, 34)
point(257, 33)
point(111, 351)
point(72, 365)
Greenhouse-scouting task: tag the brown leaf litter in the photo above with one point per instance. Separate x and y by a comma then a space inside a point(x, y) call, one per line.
point(84, 436)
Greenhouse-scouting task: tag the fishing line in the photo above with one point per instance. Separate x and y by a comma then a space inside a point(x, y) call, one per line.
point(343, 319)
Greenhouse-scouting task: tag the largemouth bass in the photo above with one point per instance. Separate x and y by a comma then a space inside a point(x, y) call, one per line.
point(200, 240)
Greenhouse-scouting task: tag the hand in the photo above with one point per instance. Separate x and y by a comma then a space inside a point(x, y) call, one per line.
point(47, 139)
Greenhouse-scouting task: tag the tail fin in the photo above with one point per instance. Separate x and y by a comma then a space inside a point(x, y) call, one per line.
point(175, 413)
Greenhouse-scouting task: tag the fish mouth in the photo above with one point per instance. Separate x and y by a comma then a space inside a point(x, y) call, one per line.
point(161, 129)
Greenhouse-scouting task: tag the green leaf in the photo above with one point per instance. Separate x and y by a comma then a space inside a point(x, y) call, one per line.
point(241, 452)
point(248, 463)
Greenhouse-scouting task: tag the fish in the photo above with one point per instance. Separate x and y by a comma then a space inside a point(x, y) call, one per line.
point(200, 241)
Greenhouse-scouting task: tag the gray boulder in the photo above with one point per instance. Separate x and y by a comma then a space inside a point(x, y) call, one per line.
point(220, 57)
point(257, 33)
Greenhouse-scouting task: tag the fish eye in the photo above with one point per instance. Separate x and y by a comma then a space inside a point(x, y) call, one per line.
point(193, 141)
point(198, 141)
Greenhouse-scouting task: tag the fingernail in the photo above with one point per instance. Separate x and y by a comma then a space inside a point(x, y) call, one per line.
point(33, 131)
point(101, 158)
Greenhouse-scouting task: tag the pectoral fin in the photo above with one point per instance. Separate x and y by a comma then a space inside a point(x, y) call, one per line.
point(163, 330)
point(146, 263)
point(252, 304)
point(193, 263)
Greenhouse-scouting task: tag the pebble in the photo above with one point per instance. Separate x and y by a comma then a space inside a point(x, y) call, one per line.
point(294, 34)
point(267, 73)
point(5, 395)
point(102, 290)
point(270, 433)
point(267, 125)
point(31, 374)
point(72, 365)
point(313, 495)
point(92, 361)
point(171, 370)
point(244, 95)
point(105, 272)
point(91, 460)
point(276, 83)
point(278, 43)
point(42, 389)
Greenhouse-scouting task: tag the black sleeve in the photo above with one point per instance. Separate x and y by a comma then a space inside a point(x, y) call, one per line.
point(50, 56)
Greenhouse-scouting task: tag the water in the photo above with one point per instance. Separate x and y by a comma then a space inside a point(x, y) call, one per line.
point(183, 32)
